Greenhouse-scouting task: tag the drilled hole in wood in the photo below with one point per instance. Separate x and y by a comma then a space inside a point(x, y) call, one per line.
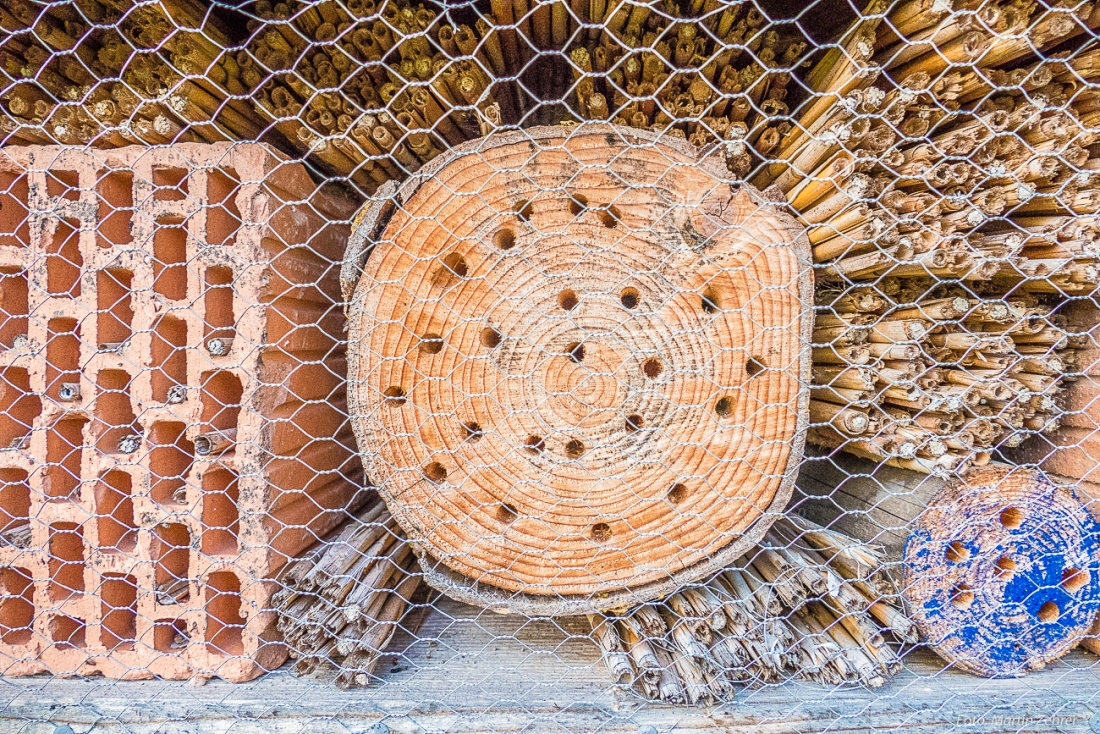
point(962, 597)
point(535, 444)
point(634, 422)
point(957, 552)
point(490, 338)
point(435, 471)
point(711, 301)
point(456, 264)
point(577, 204)
point(505, 239)
point(677, 493)
point(652, 368)
point(754, 367)
point(1012, 517)
point(568, 300)
point(574, 449)
point(1005, 568)
point(1049, 612)
point(610, 217)
point(523, 210)
point(1074, 579)
point(431, 344)
point(601, 532)
point(575, 352)
point(394, 395)
point(506, 513)
point(629, 297)
point(473, 431)
point(724, 407)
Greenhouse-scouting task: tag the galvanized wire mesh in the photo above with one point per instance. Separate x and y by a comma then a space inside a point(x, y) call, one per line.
point(182, 494)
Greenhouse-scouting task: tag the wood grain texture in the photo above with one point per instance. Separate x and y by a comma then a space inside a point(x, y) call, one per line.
point(1002, 571)
point(579, 360)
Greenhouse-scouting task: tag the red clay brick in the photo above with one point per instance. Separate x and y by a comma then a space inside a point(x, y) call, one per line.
point(123, 276)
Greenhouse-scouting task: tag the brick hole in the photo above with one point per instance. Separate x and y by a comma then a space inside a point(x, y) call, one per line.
point(224, 621)
point(64, 260)
point(68, 632)
point(170, 458)
point(170, 635)
point(18, 407)
point(14, 219)
point(220, 513)
point(16, 606)
point(15, 502)
point(66, 560)
point(171, 549)
point(62, 358)
point(63, 184)
point(169, 360)
point(114, 422)
point(14, 306)
point(221, 401)
point(169, 184)
point(116, 204)
point(218, 316)
point(223, 218)
point(1075, 579)
point(64, 442)
point(118, 601)
point(170, 262)
point(114, 322)
point(114, 506)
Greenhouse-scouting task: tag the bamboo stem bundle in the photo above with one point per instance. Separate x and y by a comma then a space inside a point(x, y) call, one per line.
point(807, 603)
point(341, 602)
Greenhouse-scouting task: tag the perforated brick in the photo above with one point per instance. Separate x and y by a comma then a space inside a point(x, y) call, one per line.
point(172, 411)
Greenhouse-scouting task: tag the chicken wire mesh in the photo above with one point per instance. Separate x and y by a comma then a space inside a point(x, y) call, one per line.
point(620, 271)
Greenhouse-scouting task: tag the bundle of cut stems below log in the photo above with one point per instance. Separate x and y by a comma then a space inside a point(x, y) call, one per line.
point(340, 604)
point(807, 603)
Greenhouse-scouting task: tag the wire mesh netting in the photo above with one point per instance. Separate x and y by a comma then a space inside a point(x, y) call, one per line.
point(538, 365)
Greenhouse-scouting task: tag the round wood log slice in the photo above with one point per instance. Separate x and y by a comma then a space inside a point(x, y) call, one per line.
point(578, 363)
point(1002, 571)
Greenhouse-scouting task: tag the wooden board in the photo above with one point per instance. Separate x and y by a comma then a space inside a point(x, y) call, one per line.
point(579, 363)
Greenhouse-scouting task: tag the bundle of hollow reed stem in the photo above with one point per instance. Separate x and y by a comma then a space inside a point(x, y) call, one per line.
point(703, 70)
point(807, 603)
point(951, 211)
point(115, 72)
point(340, 604)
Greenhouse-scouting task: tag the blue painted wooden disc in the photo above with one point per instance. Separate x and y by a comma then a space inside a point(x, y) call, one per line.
point(1002, 571)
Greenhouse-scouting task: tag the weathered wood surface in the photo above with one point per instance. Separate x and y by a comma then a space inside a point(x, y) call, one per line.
point(475, 671)
point(579, 362)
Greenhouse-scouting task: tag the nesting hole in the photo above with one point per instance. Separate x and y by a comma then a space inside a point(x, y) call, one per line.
point(754, 367)
point(652, 368)
point(506, 513)
point(523, 210)
point(711, 301)
point(456, 264)
point(601, 532)
point(1012, 517)
point(724, 407)
point(435, 472)
point(394, 395)
point(568, 300)
point(535, 444)
point(629, 297)
point(431, 343)
point(961, 596)
point(1074, 579)
point(1049, 612)
point(577, 204)
point(957, 552)
point(574, 449)
point(677, 493)
point(610, 217)
point(1005, 568)
point(473, 431)
point(505, 239)
point(634, 422)
point(491, 338)
point(575, 352)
